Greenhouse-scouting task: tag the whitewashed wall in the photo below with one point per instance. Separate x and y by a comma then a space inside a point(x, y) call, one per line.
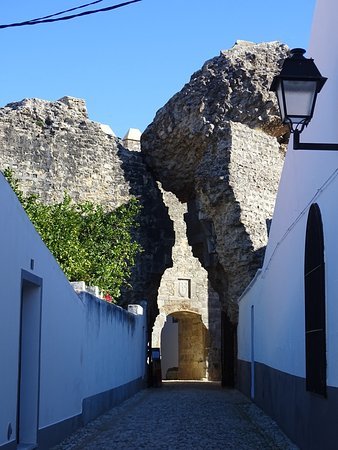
point(88, 347)
point(169, 345)
point(308, 177)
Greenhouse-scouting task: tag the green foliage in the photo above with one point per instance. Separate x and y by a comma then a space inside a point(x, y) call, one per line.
point(90, 243)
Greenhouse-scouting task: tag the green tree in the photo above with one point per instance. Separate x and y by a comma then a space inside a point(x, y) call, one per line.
point(89, 242)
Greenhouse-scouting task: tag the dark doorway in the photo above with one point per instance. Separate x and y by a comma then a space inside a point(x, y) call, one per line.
point(29, 362)
point(228, 351)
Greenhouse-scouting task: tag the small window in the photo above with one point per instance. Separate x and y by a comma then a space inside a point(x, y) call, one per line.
point(315, 329)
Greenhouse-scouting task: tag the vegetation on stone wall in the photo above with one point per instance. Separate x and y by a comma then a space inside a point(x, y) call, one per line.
point(90, 243)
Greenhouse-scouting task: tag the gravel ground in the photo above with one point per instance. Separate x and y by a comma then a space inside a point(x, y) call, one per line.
point(182, 415)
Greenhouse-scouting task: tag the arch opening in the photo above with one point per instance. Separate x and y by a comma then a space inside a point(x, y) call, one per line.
point(184, 347)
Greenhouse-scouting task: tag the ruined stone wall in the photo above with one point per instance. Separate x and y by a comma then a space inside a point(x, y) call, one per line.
point(236, 184)
point(219, 146)
point(185, 288)
point(53, 148)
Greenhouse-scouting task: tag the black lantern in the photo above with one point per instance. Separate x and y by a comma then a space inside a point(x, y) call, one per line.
point(296, 88)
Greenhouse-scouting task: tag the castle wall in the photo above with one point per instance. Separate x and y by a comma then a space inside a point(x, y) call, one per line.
point(186, 294)
point(218, 144)
point(54, 148)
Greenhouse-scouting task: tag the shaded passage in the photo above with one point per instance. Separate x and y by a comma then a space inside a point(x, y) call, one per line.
point(182, 415)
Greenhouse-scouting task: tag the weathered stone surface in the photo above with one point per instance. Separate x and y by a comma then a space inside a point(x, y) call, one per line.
point(185, 293)
point(155, 234)
point(219, 146)
point(54, 148)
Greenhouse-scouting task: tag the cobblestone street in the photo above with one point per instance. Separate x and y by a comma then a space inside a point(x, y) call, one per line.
point(181, 415)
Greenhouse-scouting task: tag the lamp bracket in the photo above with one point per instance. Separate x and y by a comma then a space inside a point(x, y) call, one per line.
point(297, 145)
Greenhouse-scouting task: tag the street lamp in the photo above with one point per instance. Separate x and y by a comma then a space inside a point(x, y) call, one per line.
point(296, 88)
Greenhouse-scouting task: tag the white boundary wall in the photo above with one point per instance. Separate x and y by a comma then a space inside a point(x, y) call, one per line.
point(90, 350)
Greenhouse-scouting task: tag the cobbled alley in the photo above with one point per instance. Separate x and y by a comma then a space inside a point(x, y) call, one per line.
point(181, 415)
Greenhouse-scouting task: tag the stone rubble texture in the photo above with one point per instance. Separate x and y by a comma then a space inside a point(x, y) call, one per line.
point(219, 145)
point(199, 303)
point(53, 148)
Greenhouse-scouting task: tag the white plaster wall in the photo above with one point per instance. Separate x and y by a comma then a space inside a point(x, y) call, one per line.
point(169, 345)
point(308, 176)
point(325, 129)
point(83, 351)
point(277, 295)
point(120, 356)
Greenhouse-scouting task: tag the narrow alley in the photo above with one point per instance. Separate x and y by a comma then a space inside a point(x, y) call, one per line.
point(182, 415)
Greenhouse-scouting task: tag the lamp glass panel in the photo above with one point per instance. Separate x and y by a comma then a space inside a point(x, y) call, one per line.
point(281, 103)
point(299, 99)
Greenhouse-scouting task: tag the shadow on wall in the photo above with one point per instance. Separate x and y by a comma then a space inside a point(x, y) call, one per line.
point(202, 238)
point(155, 234)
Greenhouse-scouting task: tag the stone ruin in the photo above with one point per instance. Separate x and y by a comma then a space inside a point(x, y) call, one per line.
point(54, 148)
point(219, 146)
point(186, 297)
point(212, 156)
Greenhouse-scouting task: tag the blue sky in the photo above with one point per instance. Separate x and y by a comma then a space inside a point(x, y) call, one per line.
point(128, 62)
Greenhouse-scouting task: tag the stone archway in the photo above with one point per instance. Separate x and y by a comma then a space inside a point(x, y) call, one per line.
point(184, 340)
point(186, 296)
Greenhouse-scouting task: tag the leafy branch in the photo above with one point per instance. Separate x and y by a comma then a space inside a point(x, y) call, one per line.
point(90, 243)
